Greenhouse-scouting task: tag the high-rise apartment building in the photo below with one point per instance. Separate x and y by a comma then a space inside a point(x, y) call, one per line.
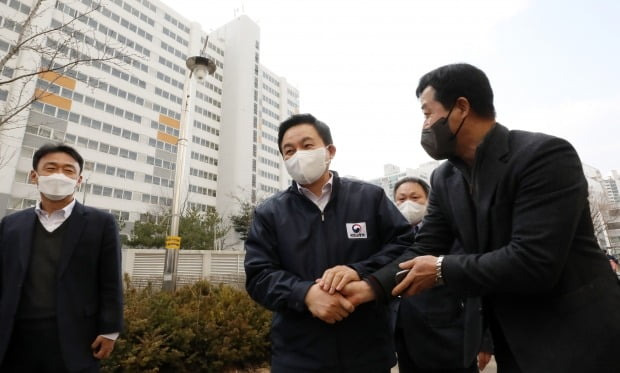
point(255, 101)
point(125, 118)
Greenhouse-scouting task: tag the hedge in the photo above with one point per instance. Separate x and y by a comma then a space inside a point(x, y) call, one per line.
point(199, 328)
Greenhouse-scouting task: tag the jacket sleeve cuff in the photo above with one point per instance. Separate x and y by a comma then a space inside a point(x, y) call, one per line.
point(377, 289)
point(297, 299)
point(357, 268)
point(111, 336)
point(452, 272)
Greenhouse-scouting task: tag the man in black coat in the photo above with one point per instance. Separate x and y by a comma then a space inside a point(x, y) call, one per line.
point(517, 202)
point(60, 275)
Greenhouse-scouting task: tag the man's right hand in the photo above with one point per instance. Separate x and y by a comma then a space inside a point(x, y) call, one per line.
point(327, 307)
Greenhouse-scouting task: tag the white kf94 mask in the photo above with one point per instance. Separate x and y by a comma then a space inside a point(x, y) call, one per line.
point(56, 186)
point(307, 166)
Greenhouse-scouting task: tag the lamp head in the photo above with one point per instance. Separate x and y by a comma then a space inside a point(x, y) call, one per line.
point(200, 66)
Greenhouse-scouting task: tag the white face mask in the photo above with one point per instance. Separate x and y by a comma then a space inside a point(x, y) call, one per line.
point(412, 211)
point(56, 186)
point(307, 166)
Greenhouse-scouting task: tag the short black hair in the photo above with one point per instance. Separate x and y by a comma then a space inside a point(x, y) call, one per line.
point(56, 148)
point(460, 80)
point(412, 179)
point(294, 120)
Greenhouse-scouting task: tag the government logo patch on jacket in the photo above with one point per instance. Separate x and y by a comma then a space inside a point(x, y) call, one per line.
point(356, 230)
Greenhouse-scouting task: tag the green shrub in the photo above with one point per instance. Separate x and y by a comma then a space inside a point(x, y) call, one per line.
point(198, 328)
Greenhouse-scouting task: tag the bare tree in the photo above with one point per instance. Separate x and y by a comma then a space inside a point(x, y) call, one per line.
point(49, 48)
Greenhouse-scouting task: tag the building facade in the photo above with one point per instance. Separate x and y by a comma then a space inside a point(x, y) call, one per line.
point(124, 114)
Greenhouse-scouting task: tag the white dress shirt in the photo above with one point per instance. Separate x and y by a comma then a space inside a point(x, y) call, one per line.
point(326, 192)
point(54, 220)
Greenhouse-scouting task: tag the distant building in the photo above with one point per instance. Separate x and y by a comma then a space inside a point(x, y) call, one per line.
point(392, 173)
point(611, 189)
point(125, 119)
point(605, 207)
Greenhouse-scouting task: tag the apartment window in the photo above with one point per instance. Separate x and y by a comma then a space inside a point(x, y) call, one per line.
point(107, 192)
point(49, 110)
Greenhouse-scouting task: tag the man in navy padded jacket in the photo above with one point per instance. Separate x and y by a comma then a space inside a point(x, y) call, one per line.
point(322, 226)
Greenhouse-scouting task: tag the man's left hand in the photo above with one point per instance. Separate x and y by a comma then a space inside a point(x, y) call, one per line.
point(422, 275)
point(102, 347)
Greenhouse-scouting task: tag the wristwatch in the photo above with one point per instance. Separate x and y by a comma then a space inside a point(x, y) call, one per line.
point(439, 275)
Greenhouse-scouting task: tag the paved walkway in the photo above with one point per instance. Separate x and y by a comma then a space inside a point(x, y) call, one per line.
point(490, 368)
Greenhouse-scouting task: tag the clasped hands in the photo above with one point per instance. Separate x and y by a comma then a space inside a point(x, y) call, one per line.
point(335, 295)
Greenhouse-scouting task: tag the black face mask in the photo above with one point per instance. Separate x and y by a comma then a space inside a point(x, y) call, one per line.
point(438, 141)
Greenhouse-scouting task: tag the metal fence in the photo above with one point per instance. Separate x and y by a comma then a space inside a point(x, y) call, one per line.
point(145, 267)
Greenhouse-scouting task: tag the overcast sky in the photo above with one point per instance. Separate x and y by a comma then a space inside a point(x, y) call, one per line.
point(554, 67)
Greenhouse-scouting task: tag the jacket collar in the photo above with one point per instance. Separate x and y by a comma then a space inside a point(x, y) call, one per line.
point(494, 146)
point(335, 185)
point(65, 211)
point(471, 201)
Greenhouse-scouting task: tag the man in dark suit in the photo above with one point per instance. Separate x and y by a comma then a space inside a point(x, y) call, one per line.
point(429, 329)
point(517, 202)
point(60, 275)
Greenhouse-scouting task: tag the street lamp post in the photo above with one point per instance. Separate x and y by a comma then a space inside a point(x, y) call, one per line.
point(85, 187)
point(199, 66)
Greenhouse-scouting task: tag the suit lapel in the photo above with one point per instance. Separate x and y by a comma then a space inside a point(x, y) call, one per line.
point(491, 169)
point(25, 247)
point(75, 225)
point(462, 209)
